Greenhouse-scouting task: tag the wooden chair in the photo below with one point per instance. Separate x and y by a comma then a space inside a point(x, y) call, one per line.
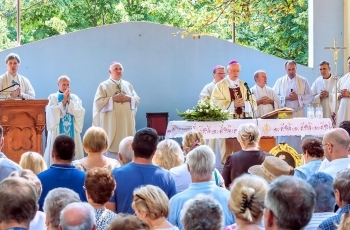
point(159, 122)
point(288, 154)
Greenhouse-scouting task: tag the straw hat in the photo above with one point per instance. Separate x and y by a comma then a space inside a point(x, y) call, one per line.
point(271, 168)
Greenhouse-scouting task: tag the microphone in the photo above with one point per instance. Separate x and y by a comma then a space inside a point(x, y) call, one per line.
point(248, 90)
point(15, 83)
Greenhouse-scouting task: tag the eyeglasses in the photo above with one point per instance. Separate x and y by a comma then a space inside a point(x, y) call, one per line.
point(219, 73)
point(233, 70)
point(323, 145)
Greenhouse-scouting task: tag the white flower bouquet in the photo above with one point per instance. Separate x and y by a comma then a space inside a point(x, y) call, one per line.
point(205, 111)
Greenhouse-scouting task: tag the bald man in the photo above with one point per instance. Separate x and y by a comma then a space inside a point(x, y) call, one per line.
point(114, 108)
point(78, 215)
point(336, 144)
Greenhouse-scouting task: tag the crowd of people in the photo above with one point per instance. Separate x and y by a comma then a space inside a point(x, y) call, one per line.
point(117, 178)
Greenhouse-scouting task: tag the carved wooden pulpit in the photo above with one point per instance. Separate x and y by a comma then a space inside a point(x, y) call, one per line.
point(23, 122)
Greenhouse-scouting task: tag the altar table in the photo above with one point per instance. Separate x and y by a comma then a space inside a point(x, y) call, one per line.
point(268, 127)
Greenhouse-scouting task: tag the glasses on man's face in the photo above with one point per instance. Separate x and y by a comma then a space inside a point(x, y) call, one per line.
point(323, 145)
point(220, 73)
point(234, 70)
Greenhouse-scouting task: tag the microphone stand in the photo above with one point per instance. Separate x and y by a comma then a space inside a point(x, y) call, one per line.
point(7, 88)
point(248, 98)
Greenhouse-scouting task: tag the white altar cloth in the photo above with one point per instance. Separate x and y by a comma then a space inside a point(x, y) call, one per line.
point(268, 127)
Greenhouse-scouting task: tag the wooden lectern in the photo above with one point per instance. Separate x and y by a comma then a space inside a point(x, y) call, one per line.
point(23, 122)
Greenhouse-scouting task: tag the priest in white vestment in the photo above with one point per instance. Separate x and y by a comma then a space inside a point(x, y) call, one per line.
point(114, 108)
point(218, 74)
point(15, 86)
point(205, 94)
point(64, 115)
point(343, 113)
point(266, 98)
point(232, 94)
point(297, 93)
point(323, 90)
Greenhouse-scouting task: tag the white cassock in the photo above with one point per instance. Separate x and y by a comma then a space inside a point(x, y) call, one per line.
point(343, 113)
point(117, 119)
point(328, 104)
point(55, 110)
point(265, 92)
point(27, 90)
point(207, 91)
point(283, 87)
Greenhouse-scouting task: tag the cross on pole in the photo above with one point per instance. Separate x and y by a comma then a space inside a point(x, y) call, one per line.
point(335, 50)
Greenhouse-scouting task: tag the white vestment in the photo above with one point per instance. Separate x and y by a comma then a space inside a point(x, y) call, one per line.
point(265, 92)
point(54, 112)
point(283, 87)
point(117, 119)
point(343, 113)
point(207, 91)
point(328, 104)
point(27, 90)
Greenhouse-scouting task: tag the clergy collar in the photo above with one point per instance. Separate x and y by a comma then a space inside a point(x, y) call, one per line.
point(232, 84)
point(329, 77)
point(8, 74)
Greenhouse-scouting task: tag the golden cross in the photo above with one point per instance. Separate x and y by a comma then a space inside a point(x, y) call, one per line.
point(335, 50)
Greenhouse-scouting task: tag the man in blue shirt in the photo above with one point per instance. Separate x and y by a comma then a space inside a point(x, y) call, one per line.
point(201, 164)
point(62, 173)
point(139, 172)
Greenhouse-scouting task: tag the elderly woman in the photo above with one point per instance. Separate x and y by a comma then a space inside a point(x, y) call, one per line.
point(246, 202)
point(95, 143)
point(181, 175)
point(38, 222)
point(54, 203)
point(168, 154)
point(238, 163)
point(33, 161)
point(99, 186)
point(313, 156)
point(151, 204)
point(203, 212)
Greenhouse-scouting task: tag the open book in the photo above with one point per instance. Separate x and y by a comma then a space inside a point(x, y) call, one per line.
point(281, 113)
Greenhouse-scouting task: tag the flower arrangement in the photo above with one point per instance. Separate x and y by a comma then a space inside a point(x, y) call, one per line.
point(205, 111)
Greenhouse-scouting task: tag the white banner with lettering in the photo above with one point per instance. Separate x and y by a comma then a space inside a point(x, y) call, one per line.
point(268, 127)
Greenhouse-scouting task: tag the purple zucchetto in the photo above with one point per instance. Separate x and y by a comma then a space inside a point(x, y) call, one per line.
point(233, 62)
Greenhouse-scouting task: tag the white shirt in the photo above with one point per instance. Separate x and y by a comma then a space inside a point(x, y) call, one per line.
point(335, 166)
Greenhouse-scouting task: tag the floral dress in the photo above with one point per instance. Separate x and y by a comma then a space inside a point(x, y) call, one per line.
point(104, 217)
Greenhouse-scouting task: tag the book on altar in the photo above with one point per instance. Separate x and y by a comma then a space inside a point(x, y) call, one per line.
point(282, 113)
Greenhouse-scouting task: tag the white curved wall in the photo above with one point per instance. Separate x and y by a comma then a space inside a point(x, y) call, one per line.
point(167, 72)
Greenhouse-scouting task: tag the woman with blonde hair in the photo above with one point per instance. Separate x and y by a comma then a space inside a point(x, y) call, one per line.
point(246, 202)
point(181, 175)
point(95, 143)
point(33, 161)
point(238, 163)
point(168, 154)
point(151, 204)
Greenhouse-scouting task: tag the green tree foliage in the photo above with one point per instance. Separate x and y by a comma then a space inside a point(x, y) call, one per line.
point(277, 27)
